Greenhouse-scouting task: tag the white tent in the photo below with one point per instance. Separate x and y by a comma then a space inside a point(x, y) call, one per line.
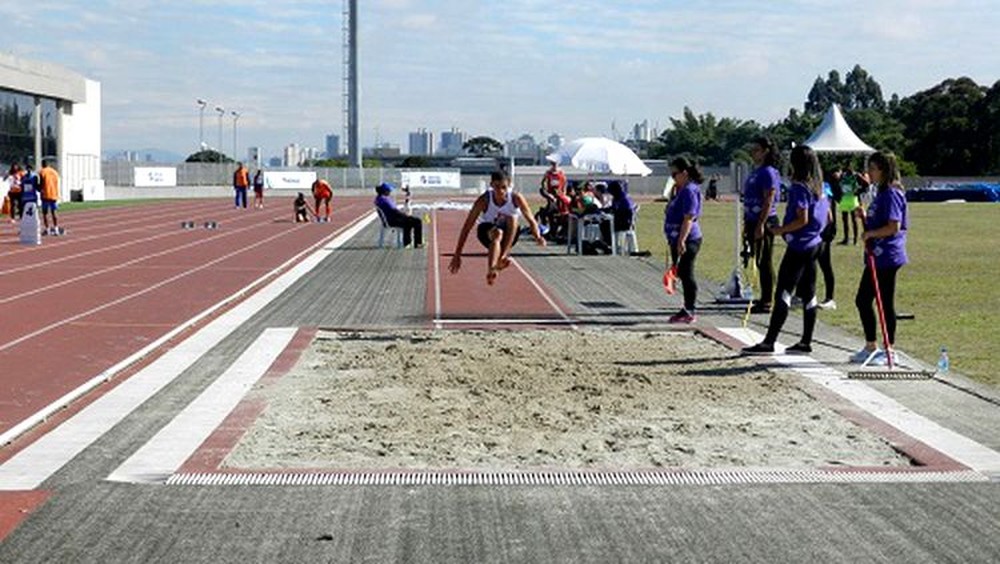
point(834, 135)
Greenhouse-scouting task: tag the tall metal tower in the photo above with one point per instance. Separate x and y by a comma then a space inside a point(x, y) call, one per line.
point(350, 101)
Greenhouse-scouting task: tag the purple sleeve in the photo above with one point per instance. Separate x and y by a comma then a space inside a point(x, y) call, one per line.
point(689, 203)
point(774, 181)
point(897, 206)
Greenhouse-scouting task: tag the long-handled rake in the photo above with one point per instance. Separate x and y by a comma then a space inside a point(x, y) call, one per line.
point(891, 370)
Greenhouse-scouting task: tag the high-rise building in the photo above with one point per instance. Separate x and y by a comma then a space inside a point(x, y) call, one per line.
point(253, 156)
point(643, 132)
point(452, 141)
point(292, 157)
point(332, 146)
point(421, 142)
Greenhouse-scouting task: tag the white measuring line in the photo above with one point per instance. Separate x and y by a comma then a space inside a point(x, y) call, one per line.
point(158, 459)
point(37, 462)
point(437, 273)
point(959, 447)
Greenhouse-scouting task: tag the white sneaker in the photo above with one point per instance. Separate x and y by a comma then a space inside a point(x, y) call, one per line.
point(861, 356)
point(828, 304)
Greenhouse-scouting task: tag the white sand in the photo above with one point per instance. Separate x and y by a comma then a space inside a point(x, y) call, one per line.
point(543, 399)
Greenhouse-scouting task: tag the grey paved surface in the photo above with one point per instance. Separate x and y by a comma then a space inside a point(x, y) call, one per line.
point(91, 520)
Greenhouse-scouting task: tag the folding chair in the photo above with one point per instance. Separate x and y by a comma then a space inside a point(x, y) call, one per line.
point(384, 226)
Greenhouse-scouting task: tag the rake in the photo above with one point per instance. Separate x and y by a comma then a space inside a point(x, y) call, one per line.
point(891, 371)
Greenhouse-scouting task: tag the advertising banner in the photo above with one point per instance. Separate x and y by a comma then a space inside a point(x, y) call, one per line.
point(155, 176)
point(431, 179)
point(289, 180)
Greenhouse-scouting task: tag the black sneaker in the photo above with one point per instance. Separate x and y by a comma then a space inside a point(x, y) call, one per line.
point(759, 348)
point(760, 307)
point(799, 348)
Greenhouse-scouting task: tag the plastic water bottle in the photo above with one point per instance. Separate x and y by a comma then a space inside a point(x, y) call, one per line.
point(943, 362)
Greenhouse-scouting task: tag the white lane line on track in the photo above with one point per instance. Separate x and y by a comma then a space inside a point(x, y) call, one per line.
point(552, 303)
point(127, 297)
point(38, 461)
point(120, 229)
point(164, 454)
point(437, 273)
point(126, 264)
point(959, 447)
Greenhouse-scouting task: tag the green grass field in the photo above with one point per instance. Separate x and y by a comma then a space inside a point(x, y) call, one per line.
point(948, 285)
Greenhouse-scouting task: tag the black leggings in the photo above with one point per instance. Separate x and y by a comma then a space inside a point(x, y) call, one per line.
point(826, 266)
point(763, 255)
point(685, 271)
point(797, 273)
point(866, 296)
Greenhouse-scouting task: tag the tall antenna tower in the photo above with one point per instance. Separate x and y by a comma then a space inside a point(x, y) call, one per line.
point(350, 72)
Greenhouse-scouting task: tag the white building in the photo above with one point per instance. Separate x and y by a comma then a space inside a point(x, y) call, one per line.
point(50, 112)
point(292, 156)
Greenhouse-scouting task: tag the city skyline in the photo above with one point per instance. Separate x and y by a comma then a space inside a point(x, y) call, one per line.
point(487, 68)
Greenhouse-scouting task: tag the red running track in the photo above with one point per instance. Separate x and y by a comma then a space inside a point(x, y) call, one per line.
point(122, 278)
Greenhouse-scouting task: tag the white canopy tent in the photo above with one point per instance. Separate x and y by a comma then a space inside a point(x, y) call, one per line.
point(834, 135)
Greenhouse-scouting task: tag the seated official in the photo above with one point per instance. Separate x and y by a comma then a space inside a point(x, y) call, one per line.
point(413, 228)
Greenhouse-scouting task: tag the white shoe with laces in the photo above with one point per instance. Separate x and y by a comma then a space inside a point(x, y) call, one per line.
point(828, 304)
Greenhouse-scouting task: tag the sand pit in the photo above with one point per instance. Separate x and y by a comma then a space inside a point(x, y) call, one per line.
point(559, 399)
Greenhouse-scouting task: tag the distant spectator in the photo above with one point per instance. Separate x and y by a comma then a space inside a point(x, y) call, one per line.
point(850, 202)
point(241, 182)
point(302, 209)
point(413, 228)
point(49, 188)
point(258, 189)
point(322, 193)
point(712, 192)
point(14, 177)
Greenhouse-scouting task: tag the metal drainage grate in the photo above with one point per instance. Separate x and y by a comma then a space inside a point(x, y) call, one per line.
point(667, 478)
point(603, 305)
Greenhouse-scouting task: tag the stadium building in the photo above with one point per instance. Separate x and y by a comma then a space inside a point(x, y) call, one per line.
point(50, 112)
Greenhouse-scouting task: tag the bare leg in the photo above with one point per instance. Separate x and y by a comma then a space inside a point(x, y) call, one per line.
point(494, 255)
point(509, 232)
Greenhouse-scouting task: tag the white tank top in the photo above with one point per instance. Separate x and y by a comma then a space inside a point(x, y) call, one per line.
point(494, 211)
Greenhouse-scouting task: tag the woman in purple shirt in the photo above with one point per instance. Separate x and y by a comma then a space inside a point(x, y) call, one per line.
point(760, 212)
point(680, 226)
point(806, 216)
point(885, 238)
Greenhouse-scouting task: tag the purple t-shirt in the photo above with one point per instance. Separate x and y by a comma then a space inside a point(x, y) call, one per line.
point(807, 237)
point(889, 205)
point(686, 202)
point(760, 181)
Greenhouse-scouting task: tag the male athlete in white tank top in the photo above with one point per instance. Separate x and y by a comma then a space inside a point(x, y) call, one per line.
point(496, 211)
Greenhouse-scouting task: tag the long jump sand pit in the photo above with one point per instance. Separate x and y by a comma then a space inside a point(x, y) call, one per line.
point(544, 399)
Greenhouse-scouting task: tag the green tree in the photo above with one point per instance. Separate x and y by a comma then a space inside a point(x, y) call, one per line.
point(709, 140)
point(862, 91)
point(824, 93)
point(483, 146)
point(989, 129)
point(208, 156)
point(415, 161)
point(942, 124)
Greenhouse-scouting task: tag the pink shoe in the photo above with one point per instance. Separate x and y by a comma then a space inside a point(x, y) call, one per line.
point(682, 316)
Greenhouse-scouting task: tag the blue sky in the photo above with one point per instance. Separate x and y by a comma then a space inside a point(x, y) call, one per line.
point(491, 67)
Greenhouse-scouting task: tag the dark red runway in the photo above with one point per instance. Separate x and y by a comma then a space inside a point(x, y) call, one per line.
point(123, 277)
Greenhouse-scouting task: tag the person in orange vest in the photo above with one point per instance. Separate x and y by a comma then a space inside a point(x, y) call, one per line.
point(49, 180)
point(323, 194)
point(241, 182)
